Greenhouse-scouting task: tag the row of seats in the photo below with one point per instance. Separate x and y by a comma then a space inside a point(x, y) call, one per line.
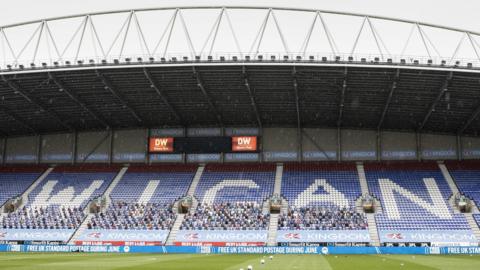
point(226, 216)
point(236, 183)
point(322, 218)
point(314, 181)
point(14, 180)
point(50, 217)
point(134, 216)
point(156, 184)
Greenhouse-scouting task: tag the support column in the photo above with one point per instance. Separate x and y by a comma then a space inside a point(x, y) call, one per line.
point(74, 147)
point(39, 149)
point(339, 145)
point(419, 146)
point(110, 150)
point(379, 145)
point(459, 148)
point(4, 151)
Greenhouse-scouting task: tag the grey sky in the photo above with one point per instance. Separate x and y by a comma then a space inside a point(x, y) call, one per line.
point(458, 13)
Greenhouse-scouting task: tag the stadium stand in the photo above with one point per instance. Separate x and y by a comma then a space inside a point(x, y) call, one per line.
point(419, 206)
point(59, 200)
point(44, 217)
point(231, 197)
point(144, 198)
point(321, 197)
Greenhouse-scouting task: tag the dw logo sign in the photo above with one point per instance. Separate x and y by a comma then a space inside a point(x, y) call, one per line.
point(244, 144)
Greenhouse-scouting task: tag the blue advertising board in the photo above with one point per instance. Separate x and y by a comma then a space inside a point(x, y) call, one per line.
point(35, 235)
point(124, 235)
point(427, 236)
point(222, 236)
point(473, 250)
point(323, 236)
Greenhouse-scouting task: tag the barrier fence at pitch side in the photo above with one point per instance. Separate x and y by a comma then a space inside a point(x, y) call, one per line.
point(242, 250)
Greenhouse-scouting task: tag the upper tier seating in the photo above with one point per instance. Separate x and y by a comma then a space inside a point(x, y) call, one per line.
point(14, 180)
point(58, 201)
point(156, 184)
point(303, 184)
point(72, 186)
point(431, 210)
point(236, 183)
point(466, 175)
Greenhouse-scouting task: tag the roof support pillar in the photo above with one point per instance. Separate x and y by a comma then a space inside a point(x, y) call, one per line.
point(341, 103)
point(299, 120)
point(389, 99)
point(431, 109)
point(75, 98)
point(161, 93)
point(17, 89)
point(17, 118)
point(339, 145)
point(418, 138)
point(459, 147)
point(207, 96)
point(109, 86)
point(251, 95)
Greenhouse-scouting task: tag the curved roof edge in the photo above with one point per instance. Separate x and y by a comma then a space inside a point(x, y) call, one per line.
point(240, 63)
point(245, 7)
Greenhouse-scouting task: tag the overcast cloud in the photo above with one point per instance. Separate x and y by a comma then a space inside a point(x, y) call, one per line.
point(458, 13)
point(462, 14)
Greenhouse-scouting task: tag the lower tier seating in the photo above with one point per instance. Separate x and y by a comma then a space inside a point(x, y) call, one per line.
point(227, 216)
point(51, 217)
point(134, 216)
point(322, 218)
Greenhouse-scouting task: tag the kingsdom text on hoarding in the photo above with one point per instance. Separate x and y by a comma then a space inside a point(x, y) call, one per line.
point(244, 144)
point(161, 145)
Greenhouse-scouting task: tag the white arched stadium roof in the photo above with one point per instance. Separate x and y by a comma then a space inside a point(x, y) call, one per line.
point(240, 31)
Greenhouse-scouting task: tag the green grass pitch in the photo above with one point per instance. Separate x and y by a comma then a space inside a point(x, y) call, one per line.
point(90, 261)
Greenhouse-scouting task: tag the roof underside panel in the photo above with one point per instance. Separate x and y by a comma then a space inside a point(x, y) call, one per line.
point(217, 95)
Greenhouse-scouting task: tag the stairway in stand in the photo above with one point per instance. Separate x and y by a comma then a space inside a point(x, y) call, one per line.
point(80, 230)
point(175, 228)
point(272, 230)
point(372, 225)
point(180, 217)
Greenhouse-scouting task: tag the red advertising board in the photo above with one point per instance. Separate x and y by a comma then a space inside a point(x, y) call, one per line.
point(244, 144)
point(160, 145)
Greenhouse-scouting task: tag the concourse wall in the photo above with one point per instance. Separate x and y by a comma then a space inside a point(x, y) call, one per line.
point(275, 145)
